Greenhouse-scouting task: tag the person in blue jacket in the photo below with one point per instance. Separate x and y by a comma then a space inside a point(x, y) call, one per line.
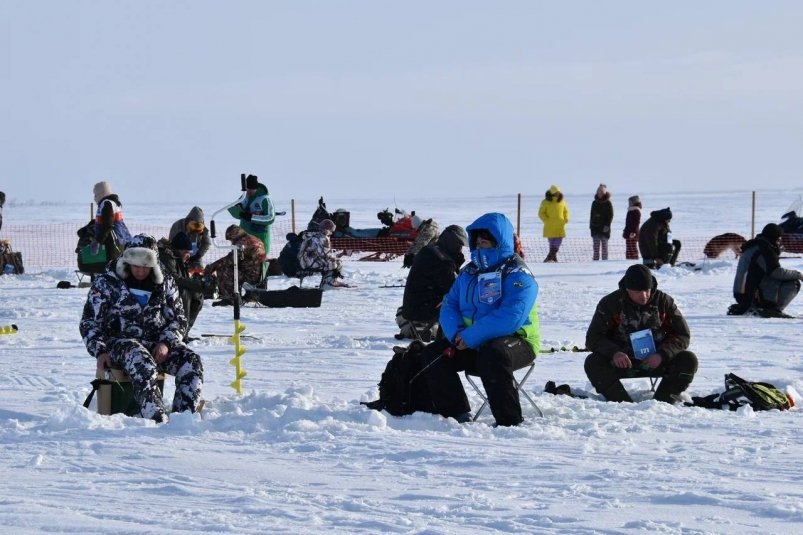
point(490, 316)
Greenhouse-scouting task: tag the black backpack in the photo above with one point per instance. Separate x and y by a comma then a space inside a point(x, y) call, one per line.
point(408, 385)
point(399, 392)
point(288, 257)
point(738, 392)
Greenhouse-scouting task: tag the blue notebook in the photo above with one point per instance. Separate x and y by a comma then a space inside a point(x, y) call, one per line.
point(643, 343)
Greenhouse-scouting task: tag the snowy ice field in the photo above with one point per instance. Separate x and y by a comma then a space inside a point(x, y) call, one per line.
point(296, 453)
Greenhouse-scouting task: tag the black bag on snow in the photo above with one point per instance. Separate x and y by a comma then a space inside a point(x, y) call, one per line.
point(415, 380)
point(400, 392)
point(738, 392)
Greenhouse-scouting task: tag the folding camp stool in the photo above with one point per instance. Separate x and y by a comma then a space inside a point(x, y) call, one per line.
point(115, 393)
point(418, 334)
point(653, 382)
point(519, 387)
point(81, 275)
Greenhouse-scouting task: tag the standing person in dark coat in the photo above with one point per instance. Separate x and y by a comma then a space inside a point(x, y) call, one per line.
point(655, 240)
point(600, 221)
point(174, 257)
point(195, 228)
point(637, 306)
point(2, 202)
point(632, 224)
point(761, 283)
point(434, 270)
point(133, 320)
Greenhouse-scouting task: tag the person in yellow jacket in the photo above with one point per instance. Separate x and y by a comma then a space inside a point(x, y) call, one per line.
point(555, 214)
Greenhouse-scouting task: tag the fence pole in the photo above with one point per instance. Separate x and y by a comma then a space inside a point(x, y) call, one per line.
point(518, 216)
point(91, 211)
point(753, 218)
point(293, 214)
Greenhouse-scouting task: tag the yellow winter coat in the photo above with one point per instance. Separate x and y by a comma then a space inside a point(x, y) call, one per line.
point(554, 212)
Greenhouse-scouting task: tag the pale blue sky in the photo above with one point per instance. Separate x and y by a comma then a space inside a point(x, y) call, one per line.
point(373, 98)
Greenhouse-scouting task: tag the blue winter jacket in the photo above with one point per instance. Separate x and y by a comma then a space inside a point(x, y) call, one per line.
point(513, 312)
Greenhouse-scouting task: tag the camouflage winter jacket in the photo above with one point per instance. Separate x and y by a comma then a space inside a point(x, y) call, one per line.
point(112, 312)
point(316, 251)
point(617, 316)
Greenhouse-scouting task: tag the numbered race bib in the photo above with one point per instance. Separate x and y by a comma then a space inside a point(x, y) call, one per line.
point(490, 286)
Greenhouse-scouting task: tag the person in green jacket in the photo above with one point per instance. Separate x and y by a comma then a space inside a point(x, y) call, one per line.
point(255, 211)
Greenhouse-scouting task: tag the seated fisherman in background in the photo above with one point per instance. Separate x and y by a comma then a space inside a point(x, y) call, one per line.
point(194, 227)
point(249, 264)
point(638, 331)
point(655, 240)
point(761, 284)
point(426, 234)
point(434, 270)
point(133, 320)
point(174, 257)
point(316, 254)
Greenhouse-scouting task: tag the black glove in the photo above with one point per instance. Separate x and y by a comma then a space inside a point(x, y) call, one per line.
point(408, 260)
point(246, 215)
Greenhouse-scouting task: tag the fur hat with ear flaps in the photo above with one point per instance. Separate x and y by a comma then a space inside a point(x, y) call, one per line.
point(101, 190)
point(142, 251)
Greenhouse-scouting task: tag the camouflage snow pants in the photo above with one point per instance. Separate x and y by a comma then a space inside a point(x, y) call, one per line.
point(182, 363)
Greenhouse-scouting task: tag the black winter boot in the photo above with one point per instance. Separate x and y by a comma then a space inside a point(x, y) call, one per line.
point(679, 375)
point(616, 392)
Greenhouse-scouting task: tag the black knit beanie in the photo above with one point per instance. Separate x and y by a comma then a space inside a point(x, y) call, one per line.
point(638, 278)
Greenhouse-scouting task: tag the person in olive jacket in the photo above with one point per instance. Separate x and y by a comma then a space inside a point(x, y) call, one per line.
point(639, 307)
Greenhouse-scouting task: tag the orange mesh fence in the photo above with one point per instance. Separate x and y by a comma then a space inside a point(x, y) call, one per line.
point(52, 246)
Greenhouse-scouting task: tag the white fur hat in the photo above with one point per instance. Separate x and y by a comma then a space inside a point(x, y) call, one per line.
point(101, 189)
point(142, 251)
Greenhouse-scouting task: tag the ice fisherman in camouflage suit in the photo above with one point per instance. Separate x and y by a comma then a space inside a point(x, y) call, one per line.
point(133, 320)
point(427, 234)
point(249, 264)
point(316, 254)
point(639, 305)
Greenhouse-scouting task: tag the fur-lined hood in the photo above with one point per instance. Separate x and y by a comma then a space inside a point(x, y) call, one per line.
point(141, 250)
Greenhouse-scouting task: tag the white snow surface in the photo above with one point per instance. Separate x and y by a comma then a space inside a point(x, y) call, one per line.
point(297, 453)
